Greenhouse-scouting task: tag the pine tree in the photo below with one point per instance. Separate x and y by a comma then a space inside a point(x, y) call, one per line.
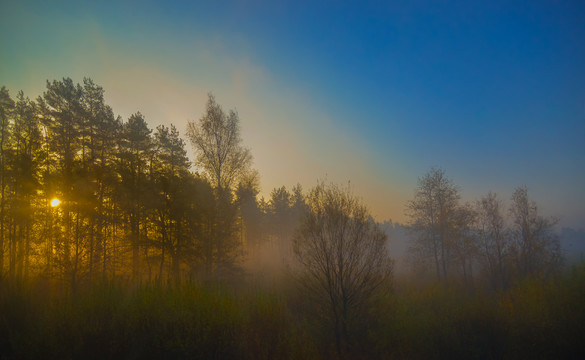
point(6, 109)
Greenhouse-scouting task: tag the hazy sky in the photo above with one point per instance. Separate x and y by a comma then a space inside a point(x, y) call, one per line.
point(375, 93)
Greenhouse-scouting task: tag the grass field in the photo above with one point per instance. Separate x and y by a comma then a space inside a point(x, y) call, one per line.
point(533, 319)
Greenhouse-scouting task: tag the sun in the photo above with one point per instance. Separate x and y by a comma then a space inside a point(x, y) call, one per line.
point(55, 202)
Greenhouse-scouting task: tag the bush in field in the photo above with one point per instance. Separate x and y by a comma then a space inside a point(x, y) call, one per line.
point(343, 260)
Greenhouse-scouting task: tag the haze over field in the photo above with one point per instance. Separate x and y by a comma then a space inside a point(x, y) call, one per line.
point(372, 93)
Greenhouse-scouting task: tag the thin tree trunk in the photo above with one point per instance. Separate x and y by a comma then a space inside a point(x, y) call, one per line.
point(27, 251)
point(77, 253)
point(104, 249)
point(443, 257)
point(13, 250)
point(91, 248)
point(2, 226)
point(20, 252)
point(436, 255)
point(163, 248)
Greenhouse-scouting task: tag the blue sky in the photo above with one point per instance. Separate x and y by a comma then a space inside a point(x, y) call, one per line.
point(374, 93)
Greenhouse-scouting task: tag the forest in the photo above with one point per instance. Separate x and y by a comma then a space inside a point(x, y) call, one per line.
point(114, 244)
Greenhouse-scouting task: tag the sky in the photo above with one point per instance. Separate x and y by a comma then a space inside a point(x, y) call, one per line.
point(374, 93)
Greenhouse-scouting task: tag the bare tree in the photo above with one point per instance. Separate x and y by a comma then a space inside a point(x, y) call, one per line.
point(432, 215)
point(343, 257)
point(464, 241)
point(536, 247)
point(494, 241)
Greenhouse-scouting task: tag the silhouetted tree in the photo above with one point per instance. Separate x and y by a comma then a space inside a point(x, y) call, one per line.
point(536, 246)
point(464, 241)
point(172, 169)
point(343, 257)
point(101, 136)
point(6, 109)
point(251, 215)
point(298, 204)
point(24, 162)
point(216, 140)
point(96, 179)
point(63, 116)
point(281, 226)
point(494, 242)
point(224, 161)
point(432, 215)
point(135, 153)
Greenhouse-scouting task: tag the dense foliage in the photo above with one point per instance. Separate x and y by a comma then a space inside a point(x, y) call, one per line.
point(131, 206)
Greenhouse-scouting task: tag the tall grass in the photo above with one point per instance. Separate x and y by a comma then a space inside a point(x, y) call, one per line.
point(112, 320)
point(533, 319)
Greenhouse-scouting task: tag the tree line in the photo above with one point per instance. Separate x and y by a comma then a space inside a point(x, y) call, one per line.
point(87, 196)
point(500, 245)
point(133, 206)
point(129, 204)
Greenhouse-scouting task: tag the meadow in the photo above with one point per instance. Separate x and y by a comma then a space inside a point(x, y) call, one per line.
point(255, 320)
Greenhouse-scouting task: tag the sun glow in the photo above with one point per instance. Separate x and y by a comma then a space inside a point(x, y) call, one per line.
point(55, 202)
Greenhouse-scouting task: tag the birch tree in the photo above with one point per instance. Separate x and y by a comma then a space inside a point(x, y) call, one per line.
point(224, 162)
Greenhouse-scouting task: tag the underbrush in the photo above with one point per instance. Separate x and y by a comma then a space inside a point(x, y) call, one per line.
point(133, 322)
point(533, 319)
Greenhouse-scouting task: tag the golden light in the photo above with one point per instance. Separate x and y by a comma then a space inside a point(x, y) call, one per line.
point(55, 202)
